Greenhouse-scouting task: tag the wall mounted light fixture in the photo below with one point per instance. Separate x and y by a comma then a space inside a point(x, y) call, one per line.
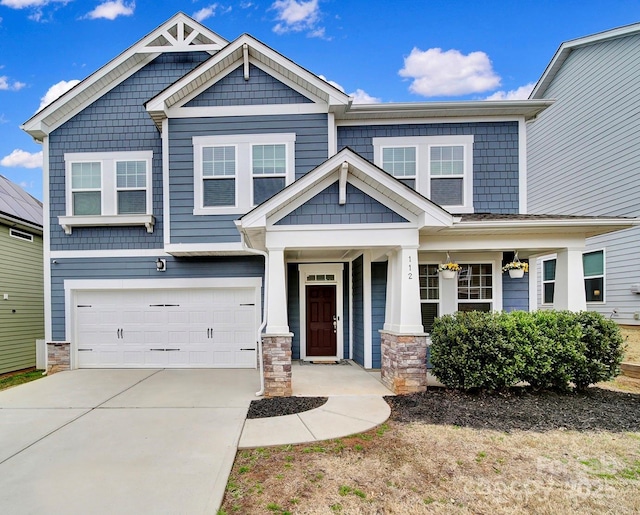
point(161, 265)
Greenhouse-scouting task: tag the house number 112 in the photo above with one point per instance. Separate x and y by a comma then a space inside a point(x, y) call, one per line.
point(410, 274)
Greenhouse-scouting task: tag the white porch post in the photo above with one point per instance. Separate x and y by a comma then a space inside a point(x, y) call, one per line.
point(406, 317)
point(277, 296)
point(569, 289)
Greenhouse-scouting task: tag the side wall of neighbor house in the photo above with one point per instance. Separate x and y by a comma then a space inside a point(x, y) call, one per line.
point(140, 268)
point(22, 314)
point(583, 157)
point(495, 156)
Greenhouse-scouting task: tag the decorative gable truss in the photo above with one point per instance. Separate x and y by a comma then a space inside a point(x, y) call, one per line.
point(249, 54)
point(183, 34)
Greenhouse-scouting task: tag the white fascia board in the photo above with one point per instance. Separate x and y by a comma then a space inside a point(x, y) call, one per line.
point(509, 241)
point(587, 224)
point(213, 248)
point(416, 120)
point(343, 236)
point(244, 110)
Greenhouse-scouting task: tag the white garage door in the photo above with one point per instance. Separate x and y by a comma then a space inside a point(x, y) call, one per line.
point(176, 328)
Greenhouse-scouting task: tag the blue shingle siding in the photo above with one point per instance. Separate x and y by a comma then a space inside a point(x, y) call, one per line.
point(141, 268)
point(311, 149)
point(358, 310)
point(515, 293)
point(260, 89)
point(495, 156)
point(117, 121)
point(293, 307)
point(325, 209)
point(378, 307)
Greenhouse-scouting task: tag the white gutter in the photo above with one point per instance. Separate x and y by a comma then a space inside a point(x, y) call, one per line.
point(263, 324)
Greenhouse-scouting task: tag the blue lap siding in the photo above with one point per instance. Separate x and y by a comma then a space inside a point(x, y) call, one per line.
point(140, 268)
point(495, 155)
point(515, 293)
point(378, 306)
point(311, 149)
point(118, 122)
point(358, 310)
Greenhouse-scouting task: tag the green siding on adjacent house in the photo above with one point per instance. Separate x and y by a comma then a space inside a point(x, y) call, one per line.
point(22, 315)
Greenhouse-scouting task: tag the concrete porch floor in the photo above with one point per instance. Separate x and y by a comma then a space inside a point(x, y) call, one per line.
point(328, 380)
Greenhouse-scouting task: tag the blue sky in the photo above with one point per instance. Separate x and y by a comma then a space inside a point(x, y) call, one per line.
point(389, 51)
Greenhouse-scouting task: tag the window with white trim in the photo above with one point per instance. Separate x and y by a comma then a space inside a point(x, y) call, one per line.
point(593, 266)
point(429, 294)
point(548, 280)
point(108, 184)
point(475, 287)
point(439, 167)
point(234, 173)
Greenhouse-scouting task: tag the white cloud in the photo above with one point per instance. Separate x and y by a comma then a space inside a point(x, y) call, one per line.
point(362, 97)
point(7, 85)
point(22, 159)
point(296, 16)
point(56, 91)
point(205, 12)
point(359, 95)
point(111, 10)
point(522, 93)
point(450, 73)
point(21, 4)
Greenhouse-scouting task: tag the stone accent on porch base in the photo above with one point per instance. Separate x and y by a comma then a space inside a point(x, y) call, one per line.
point(276, 356)
point(58, 357)
point(404, 362)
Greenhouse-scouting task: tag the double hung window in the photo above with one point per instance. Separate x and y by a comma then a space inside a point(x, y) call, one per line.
point(234, 173)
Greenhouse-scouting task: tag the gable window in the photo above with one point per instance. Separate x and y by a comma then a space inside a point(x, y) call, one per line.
point(108, 188)
point(548, 280)
point(234, 173)
point(438, 167)
point(593, 265)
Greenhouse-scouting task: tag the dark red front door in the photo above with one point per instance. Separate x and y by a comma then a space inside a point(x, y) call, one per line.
point(321, 315)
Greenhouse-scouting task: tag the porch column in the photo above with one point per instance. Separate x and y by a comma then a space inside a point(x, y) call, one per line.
point(276, 301)
point(276, 342)
point(569, 288)
point(403, 341)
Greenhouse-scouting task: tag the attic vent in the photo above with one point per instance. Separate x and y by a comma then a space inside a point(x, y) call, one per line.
point(20, 235)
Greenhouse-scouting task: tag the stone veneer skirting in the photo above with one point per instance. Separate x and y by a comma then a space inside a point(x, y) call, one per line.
point(58, 357)
point(276, 356)
point(404, 362)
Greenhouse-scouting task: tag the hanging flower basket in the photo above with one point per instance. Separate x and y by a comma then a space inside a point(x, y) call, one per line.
point(516, 273)
point(516, 269)
point(448, 270)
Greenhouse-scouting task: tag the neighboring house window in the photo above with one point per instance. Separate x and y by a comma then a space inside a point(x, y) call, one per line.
point(234, 173)
point(21, 235)
point(548, 280)
point(109, 183)
point(475, 287)
point(429, 294)
point(439, 167)
point(593, 265)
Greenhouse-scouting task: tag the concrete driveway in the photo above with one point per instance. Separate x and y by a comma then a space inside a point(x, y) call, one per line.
point(121, 441)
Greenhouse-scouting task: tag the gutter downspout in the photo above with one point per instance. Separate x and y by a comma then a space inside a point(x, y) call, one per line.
point(263, 324)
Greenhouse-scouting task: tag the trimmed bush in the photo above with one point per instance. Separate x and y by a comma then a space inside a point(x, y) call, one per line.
point(547, 349)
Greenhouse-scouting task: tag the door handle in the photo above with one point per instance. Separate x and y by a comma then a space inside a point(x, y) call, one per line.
point(335, 326)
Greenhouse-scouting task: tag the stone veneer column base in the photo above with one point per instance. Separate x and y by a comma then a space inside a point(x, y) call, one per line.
point(404, 362)
point(276, 356)
point(58, 357)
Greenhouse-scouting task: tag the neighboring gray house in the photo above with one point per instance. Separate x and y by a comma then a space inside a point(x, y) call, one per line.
point(21, 277)
point(209, 200)
point(584, 159)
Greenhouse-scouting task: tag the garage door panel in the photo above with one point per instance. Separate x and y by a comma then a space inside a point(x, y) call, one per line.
point(166, 328)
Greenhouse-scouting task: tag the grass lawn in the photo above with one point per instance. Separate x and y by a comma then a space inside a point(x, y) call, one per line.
point(14, 379)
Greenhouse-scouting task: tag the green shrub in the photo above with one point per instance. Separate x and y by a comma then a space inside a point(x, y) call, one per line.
point(547, 349)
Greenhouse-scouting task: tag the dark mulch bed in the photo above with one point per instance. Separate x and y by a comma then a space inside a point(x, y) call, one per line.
point(594, 410)
point(277, 406)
